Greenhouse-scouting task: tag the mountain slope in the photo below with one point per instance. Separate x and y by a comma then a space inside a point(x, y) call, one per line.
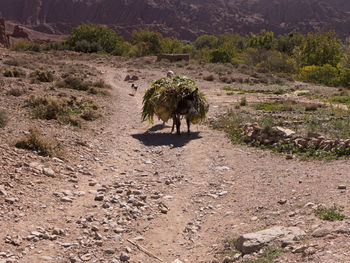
point(183, 19)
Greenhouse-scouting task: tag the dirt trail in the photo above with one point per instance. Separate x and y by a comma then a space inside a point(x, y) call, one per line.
point(179, 197)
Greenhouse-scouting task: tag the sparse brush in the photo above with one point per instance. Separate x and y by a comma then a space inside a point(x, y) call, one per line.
point(3, 118)
point(66, 111)
point(73, 82)
point(101, 84)
point(45, 146)
point(42, 76)
point(13, 72)
point(16, 92)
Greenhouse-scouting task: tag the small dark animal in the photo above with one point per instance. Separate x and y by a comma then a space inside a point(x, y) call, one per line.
point(185, 107)
point(134, 87)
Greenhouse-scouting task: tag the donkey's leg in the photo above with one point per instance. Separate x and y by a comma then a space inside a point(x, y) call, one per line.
point(174, 121)
point(178, 124)
point(188, 124)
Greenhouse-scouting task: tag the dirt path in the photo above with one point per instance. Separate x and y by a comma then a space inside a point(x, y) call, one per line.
point(179, 197)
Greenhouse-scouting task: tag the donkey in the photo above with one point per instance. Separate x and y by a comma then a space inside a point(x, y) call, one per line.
point(185, 107)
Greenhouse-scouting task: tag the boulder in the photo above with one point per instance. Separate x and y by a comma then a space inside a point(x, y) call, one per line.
point(253, 242)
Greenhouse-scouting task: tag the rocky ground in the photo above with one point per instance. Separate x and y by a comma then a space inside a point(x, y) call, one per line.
point(126, 191)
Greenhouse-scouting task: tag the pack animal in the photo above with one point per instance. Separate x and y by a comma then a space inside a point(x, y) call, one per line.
point(185, 107)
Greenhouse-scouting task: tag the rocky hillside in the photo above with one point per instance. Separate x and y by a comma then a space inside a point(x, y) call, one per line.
point(183, 19)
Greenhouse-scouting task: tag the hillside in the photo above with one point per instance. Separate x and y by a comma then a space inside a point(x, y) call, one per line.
point(183, 19)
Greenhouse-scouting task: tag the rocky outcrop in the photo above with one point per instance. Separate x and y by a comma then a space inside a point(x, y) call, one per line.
point(4, 40)
point(19, 32)
point(183, 19)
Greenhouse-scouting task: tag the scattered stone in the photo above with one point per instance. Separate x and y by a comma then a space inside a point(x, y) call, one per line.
point(177, 261)
point(341, 187)
point(86, 257)
point(227, 259)
point(282, 201)
point(344, 228)
point(109, 251)
point(66, 199)
point(320, 232)
point(10, 200)
point(124, 256)
point(222, 168)
point(49, 172)
point(99, 197)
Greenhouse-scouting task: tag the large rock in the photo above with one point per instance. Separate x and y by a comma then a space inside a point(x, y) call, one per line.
point(252, 242)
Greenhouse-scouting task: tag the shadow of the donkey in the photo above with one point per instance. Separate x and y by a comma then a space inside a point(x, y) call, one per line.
point(166, 138)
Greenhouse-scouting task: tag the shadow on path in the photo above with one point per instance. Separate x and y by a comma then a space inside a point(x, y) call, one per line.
point(160, 139)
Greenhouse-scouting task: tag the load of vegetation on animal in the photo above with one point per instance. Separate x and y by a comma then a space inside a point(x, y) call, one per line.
point(164, 95)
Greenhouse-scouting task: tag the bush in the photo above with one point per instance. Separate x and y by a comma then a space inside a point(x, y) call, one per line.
point(16, 92)
point(93, 38)
point(326, 74)
point(220, 55)
point(3, 118)
point(34, 141)
point(73, 82)
point(42, 76)
point(64, 110)
point(344, 77)
point(13, 72)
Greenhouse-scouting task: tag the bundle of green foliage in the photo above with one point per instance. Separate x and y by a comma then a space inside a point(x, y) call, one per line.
point(164, 95)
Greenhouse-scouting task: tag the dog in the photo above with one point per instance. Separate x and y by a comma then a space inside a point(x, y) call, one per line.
point(134, 87)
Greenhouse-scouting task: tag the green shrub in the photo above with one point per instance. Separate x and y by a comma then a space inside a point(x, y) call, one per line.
point(93, 38)
point(344, 77)
point(326, 74)
point(220, 55)
point(3, 118)
point(34, 141)
point(329, 214)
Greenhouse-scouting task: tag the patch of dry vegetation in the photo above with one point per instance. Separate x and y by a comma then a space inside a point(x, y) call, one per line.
point(45, 146)
point(69, 111)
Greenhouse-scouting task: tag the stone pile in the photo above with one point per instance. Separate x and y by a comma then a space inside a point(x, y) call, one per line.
point(275, 136)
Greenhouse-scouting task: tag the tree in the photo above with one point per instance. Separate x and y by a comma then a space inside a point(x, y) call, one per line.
point(150, 41)
point(320, 49)
point(93, 38)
